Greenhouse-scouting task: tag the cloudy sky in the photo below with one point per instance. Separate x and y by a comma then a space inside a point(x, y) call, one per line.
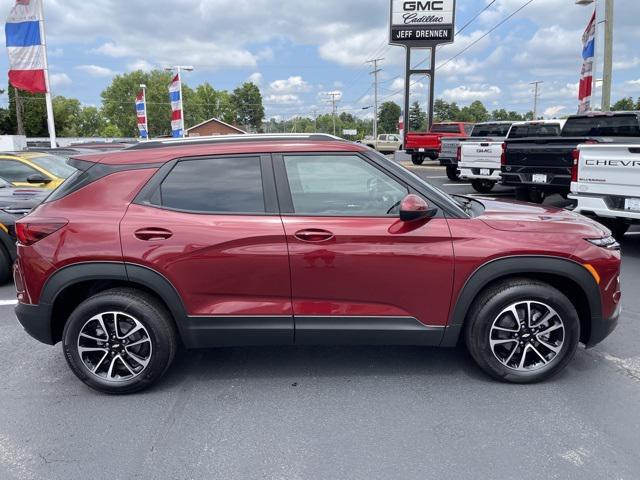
point(297, 51)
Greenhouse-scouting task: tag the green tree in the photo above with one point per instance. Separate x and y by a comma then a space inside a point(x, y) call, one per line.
point(90, 122)
point(417, 118)
point(623, 104)
point(34, 116)
point(388, 117)
point(110, 131)
point(66, 112)
point(247, 102)
point(445, 112)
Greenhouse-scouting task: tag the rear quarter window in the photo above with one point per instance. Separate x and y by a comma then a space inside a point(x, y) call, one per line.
point(602, 126)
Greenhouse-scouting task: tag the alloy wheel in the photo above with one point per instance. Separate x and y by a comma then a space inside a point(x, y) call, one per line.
point(114, 346)
point(527, 336)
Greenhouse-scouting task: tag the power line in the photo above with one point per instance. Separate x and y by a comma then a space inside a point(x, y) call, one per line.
point(375, 72)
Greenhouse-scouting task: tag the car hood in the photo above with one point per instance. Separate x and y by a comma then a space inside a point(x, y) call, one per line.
point(512, 216)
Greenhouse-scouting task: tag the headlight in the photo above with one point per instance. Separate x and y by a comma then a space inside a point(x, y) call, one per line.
point(609, 243)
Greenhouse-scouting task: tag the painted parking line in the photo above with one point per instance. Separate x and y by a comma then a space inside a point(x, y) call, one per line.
point(8, 302)
point(456, 184)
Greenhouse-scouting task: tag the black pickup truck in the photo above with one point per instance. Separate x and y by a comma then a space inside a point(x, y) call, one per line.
point(540, 166)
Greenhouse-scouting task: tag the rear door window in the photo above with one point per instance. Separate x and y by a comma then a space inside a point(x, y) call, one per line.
point(538, 130)
point(214, 185)
point(15, 172)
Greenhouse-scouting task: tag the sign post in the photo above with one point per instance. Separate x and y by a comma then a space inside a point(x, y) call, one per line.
point(424, 25)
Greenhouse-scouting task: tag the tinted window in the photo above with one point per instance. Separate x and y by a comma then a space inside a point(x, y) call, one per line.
point(491, 130)
point(445, 129)
point(220, 185)
point(14, 171)
point(341, 185)
point(537, 130)
point(468, 128)
point(602, 126)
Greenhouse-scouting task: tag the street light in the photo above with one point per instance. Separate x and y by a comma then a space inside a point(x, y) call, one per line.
point(607, 73)
point(179, 69)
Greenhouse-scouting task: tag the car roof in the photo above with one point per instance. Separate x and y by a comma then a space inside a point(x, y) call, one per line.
point(162, 151)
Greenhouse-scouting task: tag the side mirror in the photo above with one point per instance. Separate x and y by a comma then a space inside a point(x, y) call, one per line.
point(36, 178)
point(414, 208)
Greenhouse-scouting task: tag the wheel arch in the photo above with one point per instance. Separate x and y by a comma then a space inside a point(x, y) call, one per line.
point(71, 285)
point(568, 276)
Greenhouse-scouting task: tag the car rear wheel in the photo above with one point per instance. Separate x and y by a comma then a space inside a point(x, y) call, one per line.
point(522, 331)
point(5, 267)
point(453, 173)
point(417, 159)
point(482, 186)
point(119, 341)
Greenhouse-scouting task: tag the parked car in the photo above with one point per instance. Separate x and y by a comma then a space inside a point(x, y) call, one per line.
point(427, 145)
point(605, 183)
point(386, 143)
point(307, 239)
point(479, 161)
point(537, 167)
point(481, 131)
point(34, 169)
point(14, 204)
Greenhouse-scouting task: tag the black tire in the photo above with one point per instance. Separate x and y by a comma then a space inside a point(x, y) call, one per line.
point(617, 226)
point(453, 173)
point(5, 267)
point(482, 186)
point(417, 159)
point(522, 194)
point(488, 307)
point(536, 196)
point(149, 312)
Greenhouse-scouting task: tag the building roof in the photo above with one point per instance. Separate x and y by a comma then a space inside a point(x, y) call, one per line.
point(216, 120)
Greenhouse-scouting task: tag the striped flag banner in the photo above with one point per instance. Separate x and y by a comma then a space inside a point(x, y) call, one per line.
point(175, 95)
point(141, 112)
point(588, 54)
point(25, 46)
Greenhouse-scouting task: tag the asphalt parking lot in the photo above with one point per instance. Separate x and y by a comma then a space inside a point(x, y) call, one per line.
point(328, 412)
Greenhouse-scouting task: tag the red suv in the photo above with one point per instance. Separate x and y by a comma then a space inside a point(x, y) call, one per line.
point(263, 240)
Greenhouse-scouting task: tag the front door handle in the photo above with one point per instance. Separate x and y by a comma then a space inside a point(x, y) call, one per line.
point(153, 234)
point(314, 235)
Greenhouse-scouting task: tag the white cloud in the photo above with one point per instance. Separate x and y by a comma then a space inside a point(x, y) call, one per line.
point(285, 99)
point(60, 80)
point(554, 110)
point(140, 65)
point(255, 78)
point(112, 50)
point(290, 85)
point(96, 70)
point(464, 93)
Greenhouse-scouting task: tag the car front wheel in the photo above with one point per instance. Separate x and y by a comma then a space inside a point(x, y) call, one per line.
point(522, 331)
point(119, 341)
point(482, 186)
point(453, 173)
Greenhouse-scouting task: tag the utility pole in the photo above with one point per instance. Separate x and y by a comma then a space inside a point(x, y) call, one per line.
point(334, 96)
point(19, 112)
point(375, 72)
point(535, 98)
point(315, 120)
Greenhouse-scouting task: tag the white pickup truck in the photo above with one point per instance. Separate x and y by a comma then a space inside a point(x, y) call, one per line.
point(605, 182)
point(480, 161)
point(385, 143)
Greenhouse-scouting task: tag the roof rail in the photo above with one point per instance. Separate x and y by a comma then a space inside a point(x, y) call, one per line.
point(245, 138)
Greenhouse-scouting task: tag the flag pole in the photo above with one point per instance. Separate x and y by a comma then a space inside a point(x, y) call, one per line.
point(181, 101)
point(50, 119)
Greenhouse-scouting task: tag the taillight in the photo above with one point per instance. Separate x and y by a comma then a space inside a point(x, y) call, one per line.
point(459, 154)
point(574, 166)
point(503, 155)
point(29, 233)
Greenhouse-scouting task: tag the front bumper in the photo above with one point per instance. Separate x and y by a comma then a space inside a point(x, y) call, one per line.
point(36, 321)
point(602, 328)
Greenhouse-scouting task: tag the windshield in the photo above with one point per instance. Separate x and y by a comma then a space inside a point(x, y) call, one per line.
point(491, 130)
point(535, 130)
point(602, 126)
point(445, 128)
point(54, 164)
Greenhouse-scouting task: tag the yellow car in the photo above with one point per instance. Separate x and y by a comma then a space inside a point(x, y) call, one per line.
point(34, 169)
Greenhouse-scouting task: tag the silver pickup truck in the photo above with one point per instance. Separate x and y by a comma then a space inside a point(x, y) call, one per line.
point(605, 183)
point(481, 131)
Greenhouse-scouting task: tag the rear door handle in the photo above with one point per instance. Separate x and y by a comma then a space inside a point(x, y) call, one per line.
point(153, 234)
point(314, 235)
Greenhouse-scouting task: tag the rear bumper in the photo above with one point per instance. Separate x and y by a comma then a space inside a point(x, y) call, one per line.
point(555, 183)
point(446, 161)
point(603, 206)
point(36, 321)
point(427, 152)
point(474, 174)
point(602, 328)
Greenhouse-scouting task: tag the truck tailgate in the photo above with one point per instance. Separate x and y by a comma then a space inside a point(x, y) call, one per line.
point(481, 154)
point(612, 169)
point(541, 152)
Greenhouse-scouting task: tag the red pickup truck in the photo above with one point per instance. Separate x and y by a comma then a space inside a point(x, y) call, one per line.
point(423, 145)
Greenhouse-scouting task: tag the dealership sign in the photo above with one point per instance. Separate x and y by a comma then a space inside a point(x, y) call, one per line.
point(425, 23)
